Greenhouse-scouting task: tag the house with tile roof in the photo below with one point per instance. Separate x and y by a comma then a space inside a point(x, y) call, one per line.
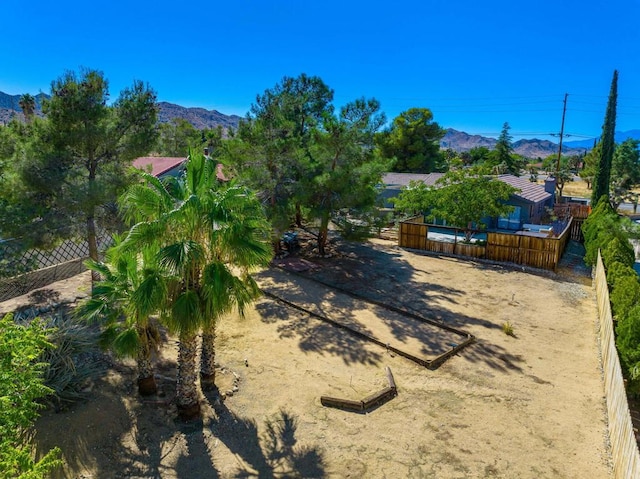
point(163, 166)
point(529, 202)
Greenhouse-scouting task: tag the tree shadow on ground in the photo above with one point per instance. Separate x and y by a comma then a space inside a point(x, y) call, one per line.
point(274, 453)
point(395, 291)
point(494, 356)
point(396, 326)
point(197, 461)
point(95, 431)
point(379, 274)
point(158, 431)
point(374, 271)
point(47, 296)
point(315, 335)
point(117, 433)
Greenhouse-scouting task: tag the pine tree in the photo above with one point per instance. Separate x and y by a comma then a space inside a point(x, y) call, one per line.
point(502, 158)
point(607, 145)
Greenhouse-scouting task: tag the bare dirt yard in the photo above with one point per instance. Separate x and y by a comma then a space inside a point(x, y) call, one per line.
point(524, 406)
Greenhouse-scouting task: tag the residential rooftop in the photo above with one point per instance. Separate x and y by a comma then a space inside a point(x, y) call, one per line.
point(528, 191)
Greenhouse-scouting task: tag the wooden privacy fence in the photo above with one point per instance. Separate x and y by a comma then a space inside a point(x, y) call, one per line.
point(529, 250)
point(414, 233)
point(624, 446)
point(526, 249)
point(576, 210)
point(575, 233)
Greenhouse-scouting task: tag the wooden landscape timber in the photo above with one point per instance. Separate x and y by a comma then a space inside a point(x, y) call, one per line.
point(467, 338)
point(369, 402)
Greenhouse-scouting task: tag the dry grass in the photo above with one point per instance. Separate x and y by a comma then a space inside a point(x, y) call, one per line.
point(576, 188)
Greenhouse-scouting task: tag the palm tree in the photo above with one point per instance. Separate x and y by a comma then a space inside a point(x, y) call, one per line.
point(28, 105)
point(239, 241)
point(209, 237)
point(123, 301)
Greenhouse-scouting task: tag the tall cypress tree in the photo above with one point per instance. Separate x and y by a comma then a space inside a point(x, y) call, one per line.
point(607, 144)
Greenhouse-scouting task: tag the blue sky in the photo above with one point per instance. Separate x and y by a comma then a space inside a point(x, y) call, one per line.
point(475, 64)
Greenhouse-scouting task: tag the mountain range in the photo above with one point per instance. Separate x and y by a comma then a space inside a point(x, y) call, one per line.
point(200, 118)
point(530, 148)
point(459, 141)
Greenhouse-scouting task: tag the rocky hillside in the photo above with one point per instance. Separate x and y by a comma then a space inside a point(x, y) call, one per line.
point(10, 102)
point(461, 141)
point(9, 106)
point(198, 117)
point(534, 148)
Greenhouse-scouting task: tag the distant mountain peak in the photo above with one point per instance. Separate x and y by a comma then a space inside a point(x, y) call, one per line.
point(200, 118)
point(533, 148)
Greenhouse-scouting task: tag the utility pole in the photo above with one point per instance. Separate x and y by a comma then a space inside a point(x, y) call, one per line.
point(564, 111)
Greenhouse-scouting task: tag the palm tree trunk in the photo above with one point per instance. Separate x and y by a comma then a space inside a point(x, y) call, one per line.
point(146, 381)
point(208, 358)
point(187, 398)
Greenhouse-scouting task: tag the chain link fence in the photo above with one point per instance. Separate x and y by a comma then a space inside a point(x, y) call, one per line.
point(23, 271)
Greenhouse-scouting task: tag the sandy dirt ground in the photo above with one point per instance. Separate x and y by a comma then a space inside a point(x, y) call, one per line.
point(529, 406)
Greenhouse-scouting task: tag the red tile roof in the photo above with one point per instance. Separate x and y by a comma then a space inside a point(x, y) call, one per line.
point(159, 164)
point(162, 164)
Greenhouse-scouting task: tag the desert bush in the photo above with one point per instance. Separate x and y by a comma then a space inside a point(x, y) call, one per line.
point(507, 328)
point(75, 359)
point(21, 386)
point(359, 226)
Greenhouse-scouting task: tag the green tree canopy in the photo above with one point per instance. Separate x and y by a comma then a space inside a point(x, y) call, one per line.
point(268, 154)
point(414, 141)
point(502, 159)
point(602, 172)
point(563, 175)
point(74, 164)
point(344, 165)
point(625, 166)
point(177, 137)
point(479, 155)
point(590, 160)
point(303, 157)
point(461, 197)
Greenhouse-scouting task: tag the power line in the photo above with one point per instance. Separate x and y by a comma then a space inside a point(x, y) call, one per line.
point(564, 112)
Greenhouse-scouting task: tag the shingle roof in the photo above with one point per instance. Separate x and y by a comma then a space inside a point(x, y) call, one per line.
point(400, 180)
point(528, 191)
